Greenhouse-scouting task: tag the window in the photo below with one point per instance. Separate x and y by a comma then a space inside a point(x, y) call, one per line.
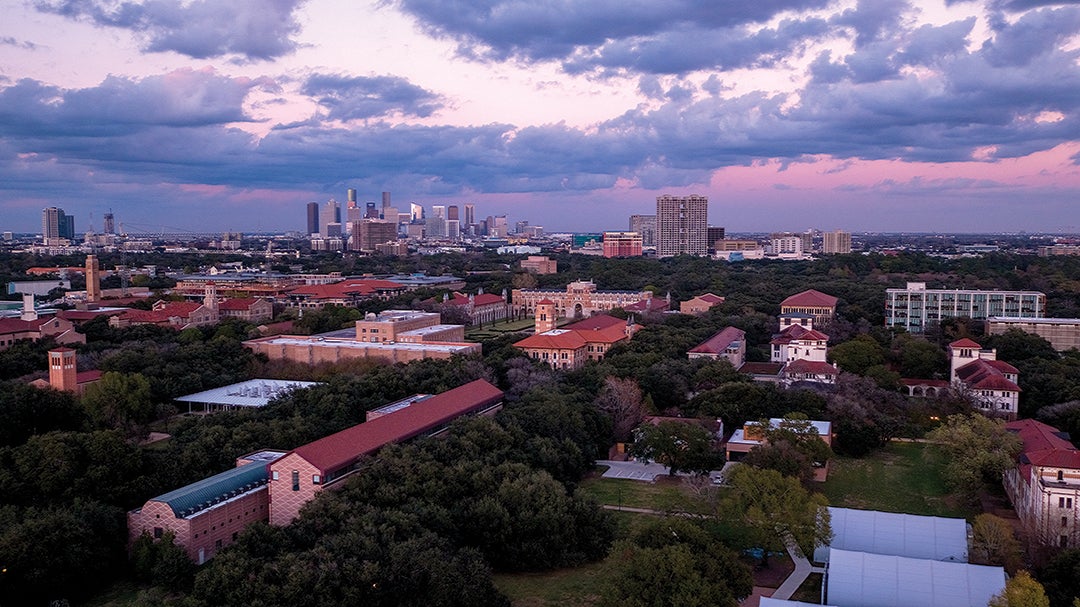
point(1064, 521)
point(1068, 502)
point(158, 532)
point(274, 475)
point(1061, 502)
point(295, 480)
point(1061, 475)
point(316, 479)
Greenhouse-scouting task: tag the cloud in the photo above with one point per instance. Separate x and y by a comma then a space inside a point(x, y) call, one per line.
point(505, 29)
point(23, 44)
point(363, 97)
point(252, 29)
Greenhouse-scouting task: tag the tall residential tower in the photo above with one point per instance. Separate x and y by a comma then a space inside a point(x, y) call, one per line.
point(682, 224)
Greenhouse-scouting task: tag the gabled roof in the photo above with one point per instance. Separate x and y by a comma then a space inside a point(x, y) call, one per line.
point(18, 325)
point(1044, 445)
point(720, 341)
point(980, 374)
point(710, 298)
point(798, 333)
point(965, 343)
point(755, 368)
point(815, 367)
point(810, 299)
point(598, 321)
point(650, 304)
point(343, 448)
point(556, 339)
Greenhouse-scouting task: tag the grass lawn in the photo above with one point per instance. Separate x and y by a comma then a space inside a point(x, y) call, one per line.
point(896, 479)
point(576, 587)
point(664, 495)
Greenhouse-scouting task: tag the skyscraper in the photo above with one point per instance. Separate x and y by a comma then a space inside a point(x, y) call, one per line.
point(836, 242)
point(385, 200)
point(56, 225)
point(329, 213)
point(370, 211)
point(452, 212)
point(682, 224)
point(110, 223)
point(470, 214)
point(646, 226)
point(416, 212)
point(714, 234)
point(350, 199)
point(312, 218)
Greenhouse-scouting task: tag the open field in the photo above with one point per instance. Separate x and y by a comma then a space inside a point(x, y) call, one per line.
point(899, 478)
point(665, 495)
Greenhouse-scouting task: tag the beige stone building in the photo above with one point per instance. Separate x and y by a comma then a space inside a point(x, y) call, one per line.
point(1062, 333)
point(580, 299)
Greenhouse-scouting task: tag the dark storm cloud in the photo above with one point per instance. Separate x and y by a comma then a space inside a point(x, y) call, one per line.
point(1036, 33)
point(184, 98)
point(253, 29)
point(362, 97)
point(503, 29)
point(873, 19)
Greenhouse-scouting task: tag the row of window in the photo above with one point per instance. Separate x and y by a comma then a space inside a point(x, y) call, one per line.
point(315, 479)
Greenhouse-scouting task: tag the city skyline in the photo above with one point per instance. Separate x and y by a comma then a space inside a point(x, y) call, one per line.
point(863, 115)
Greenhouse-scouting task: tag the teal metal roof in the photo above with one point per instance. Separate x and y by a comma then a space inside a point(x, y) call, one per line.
point(200, 495)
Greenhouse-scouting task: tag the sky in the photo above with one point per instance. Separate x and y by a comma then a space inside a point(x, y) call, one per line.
point(864, 115)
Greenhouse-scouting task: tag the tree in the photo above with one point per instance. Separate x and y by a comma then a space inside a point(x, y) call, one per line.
point(858, 355)
point(682, 446)
point(994, 543)
point(773, 507)
point(920, 358)
point(1021, 591)
point(792, 448)
point(120, 400)
point(621, 400)
point(978, 449)
point(674, 562)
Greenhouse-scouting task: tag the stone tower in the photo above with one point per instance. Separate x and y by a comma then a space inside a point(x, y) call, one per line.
point(545, 316)
point(62, 370)
point(93, 279)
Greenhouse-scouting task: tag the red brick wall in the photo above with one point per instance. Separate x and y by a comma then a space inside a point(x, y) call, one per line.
point(285, 503)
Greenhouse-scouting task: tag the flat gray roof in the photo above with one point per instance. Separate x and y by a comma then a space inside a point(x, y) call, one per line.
point(860, 579)
point(250, 393)
point(890, 533)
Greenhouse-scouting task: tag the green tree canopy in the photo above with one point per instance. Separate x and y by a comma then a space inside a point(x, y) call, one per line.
point(978, 450)
point(681, 446)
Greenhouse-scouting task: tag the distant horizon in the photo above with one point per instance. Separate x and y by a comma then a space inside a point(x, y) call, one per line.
point(870, 115)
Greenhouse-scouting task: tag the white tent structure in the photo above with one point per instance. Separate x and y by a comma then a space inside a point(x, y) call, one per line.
point(771, 602)
point(889, 533)
point(860, 579)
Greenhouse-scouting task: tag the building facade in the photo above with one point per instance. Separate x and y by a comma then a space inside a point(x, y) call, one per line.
point(837, 242)
point(820, 306)
point(682, 224)
point(298, 476)
point(571, 346)
point(622, 244)
point(729, 343)
point(991, 383)
point(580, 299)
point(915, 307)
point(1044, 486)
point(1062, 333)
point(700, 304)
point(646, 226)
point(538, 264)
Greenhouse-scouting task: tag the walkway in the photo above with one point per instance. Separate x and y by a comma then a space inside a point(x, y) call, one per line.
point(803, 569)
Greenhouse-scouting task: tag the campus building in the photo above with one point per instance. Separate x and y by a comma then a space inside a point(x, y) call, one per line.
point(298, 476)
point(700, 304)
point(580, 299)
point(392, 335)
point(571, 346)
point(821, 306)
point(990, 382)
point(1044, 486)
point(1062, 333)
point(915, 307)
point(208, 515)
point(622, 244)
point(729, 343)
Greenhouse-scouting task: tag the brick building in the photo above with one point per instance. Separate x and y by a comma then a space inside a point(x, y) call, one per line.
point(571, 346)
point(1044, 486)
point(580, 299)
point(300, 474)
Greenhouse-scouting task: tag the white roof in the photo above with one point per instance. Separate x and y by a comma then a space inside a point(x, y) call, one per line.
point(768, 601)
point(909, 535)
point(859, 579)
point(250, 393)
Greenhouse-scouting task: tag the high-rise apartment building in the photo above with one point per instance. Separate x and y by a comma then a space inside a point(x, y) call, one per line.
point(368, 233)
point(56, 225)
point(836, 242)
point(646, 226)
point(682, 225)
point(915, 307)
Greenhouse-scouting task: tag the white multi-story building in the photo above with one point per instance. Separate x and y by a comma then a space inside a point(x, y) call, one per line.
point(990, 382)
point(1044, 486)
point(915, 307)
point(682, 225)
point(836, 242)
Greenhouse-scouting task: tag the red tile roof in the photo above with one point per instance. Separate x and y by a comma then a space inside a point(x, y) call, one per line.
point(810, 299)
point(347, 288)
point(598, 321)
point(720, 341)
point(237, 303)
point(651, 304)
point(343, 448)
point(559, 339)
point(84, 315)
point(710, 298)
point(982, 375)
point(798, 333)
point(1044, 445)
point(481, 299)
point(965, 343)
point(801, 365)
point(85, 377)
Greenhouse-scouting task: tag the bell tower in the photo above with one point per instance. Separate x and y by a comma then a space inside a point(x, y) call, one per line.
point(62, 370)
point(545, 316)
